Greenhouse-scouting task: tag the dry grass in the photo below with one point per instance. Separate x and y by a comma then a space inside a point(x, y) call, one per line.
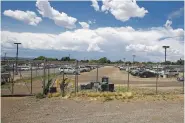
point(134, 94)
point(57, 94)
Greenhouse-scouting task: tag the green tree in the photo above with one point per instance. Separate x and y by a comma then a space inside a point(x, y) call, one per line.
point(180, 62)
point(40, 58)
point(103, 60)
point(65, 59)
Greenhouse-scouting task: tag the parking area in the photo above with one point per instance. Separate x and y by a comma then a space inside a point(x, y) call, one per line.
point(115, 76)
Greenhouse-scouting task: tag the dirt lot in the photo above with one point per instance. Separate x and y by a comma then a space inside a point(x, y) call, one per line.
point(116, 76)
point(57, 110)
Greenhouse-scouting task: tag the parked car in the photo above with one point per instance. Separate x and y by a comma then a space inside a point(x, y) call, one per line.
point(90, 67)
point(172, 73)
point(136, 72)
point(122, 68)
point(24, 68)
point(84, 69)
point(69, 70)
point(180, 79)
point(146, 74)
point(169, 73)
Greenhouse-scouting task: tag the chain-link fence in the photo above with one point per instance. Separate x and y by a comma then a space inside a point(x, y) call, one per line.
point(26, 77)
point(31, 77)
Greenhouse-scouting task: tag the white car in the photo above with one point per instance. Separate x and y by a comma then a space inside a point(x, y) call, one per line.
point(84, 69)
point(24, 68)
point(68, 70)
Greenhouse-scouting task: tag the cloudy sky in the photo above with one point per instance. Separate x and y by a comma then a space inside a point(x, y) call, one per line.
point(93, 29)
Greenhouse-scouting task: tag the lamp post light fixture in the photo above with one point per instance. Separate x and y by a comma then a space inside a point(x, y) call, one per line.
point(165, 47)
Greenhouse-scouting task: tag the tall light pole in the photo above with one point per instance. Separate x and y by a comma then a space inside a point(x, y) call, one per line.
point(16, 57)
point(69, 56)
point(133, 58)
point(165, 47)
point(4, 56)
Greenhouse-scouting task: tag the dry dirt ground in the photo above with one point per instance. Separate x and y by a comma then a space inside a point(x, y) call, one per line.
point(57, 110)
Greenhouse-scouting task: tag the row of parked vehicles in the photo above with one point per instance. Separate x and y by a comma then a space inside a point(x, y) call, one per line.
point(145, 72)
point(69, 69)
point(28, 67)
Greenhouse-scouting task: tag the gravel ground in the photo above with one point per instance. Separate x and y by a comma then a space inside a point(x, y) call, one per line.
point(57, 110)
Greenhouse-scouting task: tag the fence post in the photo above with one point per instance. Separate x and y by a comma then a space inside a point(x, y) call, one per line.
point(54, 71)
point(48, 65)
point(63, 84)
point(128, 79)
point(76, 75)
point(44, 79)
point(37, 66)
point(31, 78)
point(97, 73)
point(13, 81)
point(157, 79)
point(183, 80)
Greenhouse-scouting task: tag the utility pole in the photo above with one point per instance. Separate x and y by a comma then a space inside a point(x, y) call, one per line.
point(84, 59)
point(4, 56)
point(181, 63)
point(133, 58)
point(165, 47)
point(69, 56)
point(16, 72)
point(124, 60)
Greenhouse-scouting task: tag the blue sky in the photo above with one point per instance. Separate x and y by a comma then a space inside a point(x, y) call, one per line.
point(158, 14)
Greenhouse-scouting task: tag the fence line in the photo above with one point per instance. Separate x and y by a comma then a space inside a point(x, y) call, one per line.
point(47, 70)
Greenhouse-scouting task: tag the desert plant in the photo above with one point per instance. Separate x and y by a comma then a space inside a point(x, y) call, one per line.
point(46, 89)
point(40, 96)
point(56, 94)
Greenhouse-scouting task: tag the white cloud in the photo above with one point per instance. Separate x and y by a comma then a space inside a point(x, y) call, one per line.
point(60, 18)
point(110, 40)
point(27, 17)
point(168, 24)
point(123, 10)
point(95, 5)
point(84, 25)
point(176, 13)
point(91, 21)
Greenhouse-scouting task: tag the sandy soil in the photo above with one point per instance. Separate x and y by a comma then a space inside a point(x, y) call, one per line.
point(57, 110)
